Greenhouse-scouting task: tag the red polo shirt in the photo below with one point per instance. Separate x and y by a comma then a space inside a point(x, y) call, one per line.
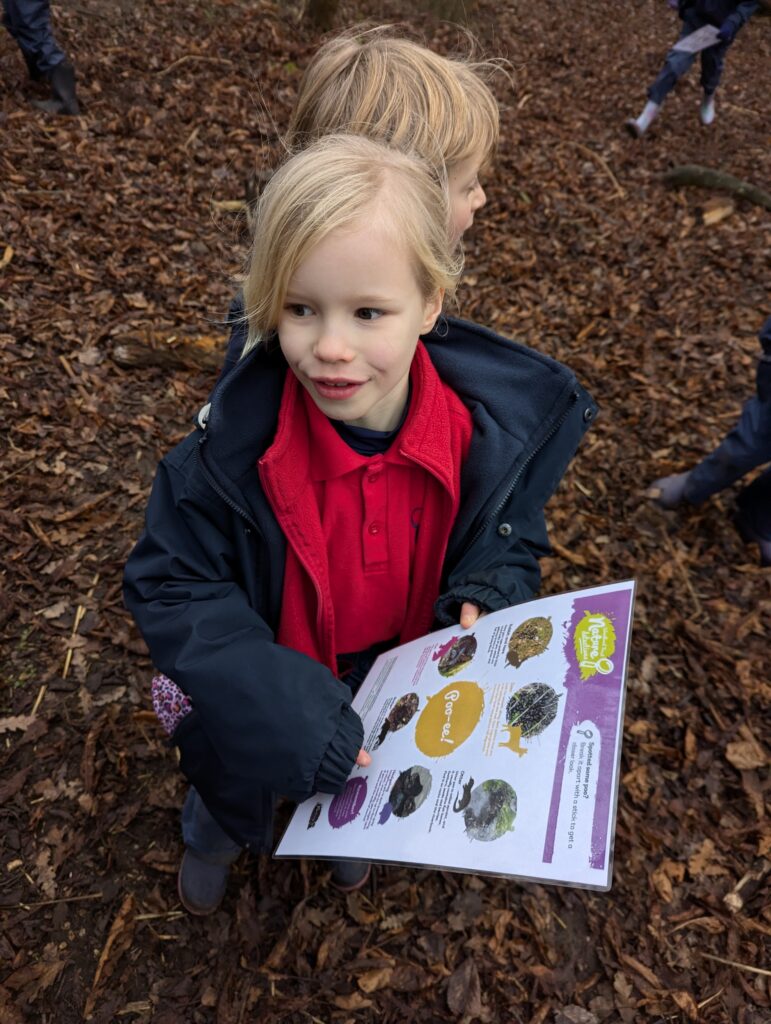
point(366, 535)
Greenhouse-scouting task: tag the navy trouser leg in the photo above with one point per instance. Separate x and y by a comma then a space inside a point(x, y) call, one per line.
point(29, 22)
point(712, 61)
point(676, 63)
point(200, 832)
point(747, 446)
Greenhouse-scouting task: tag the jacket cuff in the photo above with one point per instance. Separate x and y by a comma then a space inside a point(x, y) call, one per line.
point(448, 606)
point(341, 753)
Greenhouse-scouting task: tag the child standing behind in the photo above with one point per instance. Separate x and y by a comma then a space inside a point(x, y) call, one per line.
point(727, 16)
point(377, 84)
point(745, 448)
point(351, 487)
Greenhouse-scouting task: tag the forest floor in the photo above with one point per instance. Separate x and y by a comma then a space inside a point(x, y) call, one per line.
point(112, 225)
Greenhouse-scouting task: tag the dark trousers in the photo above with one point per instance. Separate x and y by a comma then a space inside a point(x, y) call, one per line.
point(743, 449)
point(29, 22)
point(677, 63)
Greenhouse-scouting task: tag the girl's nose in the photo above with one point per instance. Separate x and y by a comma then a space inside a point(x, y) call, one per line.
point(332, 347)
point(479, 198)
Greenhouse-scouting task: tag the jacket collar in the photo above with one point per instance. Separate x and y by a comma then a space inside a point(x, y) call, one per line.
point(522, 402)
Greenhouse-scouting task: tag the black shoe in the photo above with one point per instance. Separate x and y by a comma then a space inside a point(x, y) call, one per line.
point(749, 536)
point(62, 79)
point(350, 875)
point(201, 885)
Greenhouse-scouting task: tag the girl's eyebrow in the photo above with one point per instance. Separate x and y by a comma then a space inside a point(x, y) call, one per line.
point(372, 299)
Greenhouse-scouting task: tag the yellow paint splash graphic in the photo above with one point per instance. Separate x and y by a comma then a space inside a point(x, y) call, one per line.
point(449, 718)
point(595, 642)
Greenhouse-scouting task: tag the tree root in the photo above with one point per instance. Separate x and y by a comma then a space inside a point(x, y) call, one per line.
point(706, 177)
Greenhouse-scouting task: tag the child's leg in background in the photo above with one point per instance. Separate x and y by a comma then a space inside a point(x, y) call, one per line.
point(712, 62)
point(201, 833)
point(29, 22)
point(676, 63)
point(754, 516)
point(747, 446)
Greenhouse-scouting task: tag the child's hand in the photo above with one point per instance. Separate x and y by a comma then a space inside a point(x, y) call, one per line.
point(469, 613)
point(363, 759)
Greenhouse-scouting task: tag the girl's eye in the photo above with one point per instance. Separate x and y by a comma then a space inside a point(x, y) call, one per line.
point(368, 313)
point(298, 309)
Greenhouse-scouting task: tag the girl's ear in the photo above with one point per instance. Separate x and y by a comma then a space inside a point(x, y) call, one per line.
point(432, 310)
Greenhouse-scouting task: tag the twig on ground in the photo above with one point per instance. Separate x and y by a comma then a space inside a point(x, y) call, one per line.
point(735, 963)
point(193, 56)
point(600, 160)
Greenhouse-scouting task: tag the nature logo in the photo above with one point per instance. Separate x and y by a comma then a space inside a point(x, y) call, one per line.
point(529, 639)
point(490, 811)
point(449, 718)
point(594, 641)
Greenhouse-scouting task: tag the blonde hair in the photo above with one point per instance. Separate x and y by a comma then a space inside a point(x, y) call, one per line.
point(331, 185)
point(387, 87)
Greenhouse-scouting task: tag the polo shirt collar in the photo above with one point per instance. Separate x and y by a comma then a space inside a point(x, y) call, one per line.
point(424, 439)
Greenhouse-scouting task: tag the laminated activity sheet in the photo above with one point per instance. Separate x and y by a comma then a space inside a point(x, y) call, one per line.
point(494, 749)
point(698, 40)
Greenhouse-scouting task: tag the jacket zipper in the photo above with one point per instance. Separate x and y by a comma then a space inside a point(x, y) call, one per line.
point(518, 475)
point(217, 489)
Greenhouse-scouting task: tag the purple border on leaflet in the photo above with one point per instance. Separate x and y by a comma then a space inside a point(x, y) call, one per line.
point(597, 700)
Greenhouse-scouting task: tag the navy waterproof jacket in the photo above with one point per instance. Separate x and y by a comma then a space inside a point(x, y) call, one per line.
point(717, 12)
point(204, 582)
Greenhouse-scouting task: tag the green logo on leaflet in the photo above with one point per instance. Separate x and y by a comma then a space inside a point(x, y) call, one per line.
point(595, 642)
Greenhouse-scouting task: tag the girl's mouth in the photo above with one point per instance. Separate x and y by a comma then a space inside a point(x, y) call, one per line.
point(336, 390)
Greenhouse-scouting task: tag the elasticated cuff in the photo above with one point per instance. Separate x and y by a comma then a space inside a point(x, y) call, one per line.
point(447, 608)
point(341, 753)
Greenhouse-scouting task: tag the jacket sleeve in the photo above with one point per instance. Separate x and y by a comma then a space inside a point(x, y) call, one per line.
point(742, 14)
point(501, 569)
point(271, 714)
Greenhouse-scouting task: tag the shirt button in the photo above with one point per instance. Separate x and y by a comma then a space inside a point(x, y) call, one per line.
point(374, 528)
point(373, 478)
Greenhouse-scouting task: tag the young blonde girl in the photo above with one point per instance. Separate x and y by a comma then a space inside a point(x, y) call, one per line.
point(350, 486)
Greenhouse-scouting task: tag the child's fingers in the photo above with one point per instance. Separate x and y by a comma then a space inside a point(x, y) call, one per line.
point(469, 613)
point(363, 759)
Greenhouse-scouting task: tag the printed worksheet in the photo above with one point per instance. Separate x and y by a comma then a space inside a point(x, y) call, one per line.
point(494, 749)
point(698, 40)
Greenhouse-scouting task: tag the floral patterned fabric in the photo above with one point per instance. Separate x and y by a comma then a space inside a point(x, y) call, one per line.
point(169, 702)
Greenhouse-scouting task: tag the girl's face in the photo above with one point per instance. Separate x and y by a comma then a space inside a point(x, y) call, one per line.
point(466, 194)
point(350, 322)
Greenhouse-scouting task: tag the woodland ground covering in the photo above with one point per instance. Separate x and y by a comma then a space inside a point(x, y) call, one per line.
point(120, 224)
